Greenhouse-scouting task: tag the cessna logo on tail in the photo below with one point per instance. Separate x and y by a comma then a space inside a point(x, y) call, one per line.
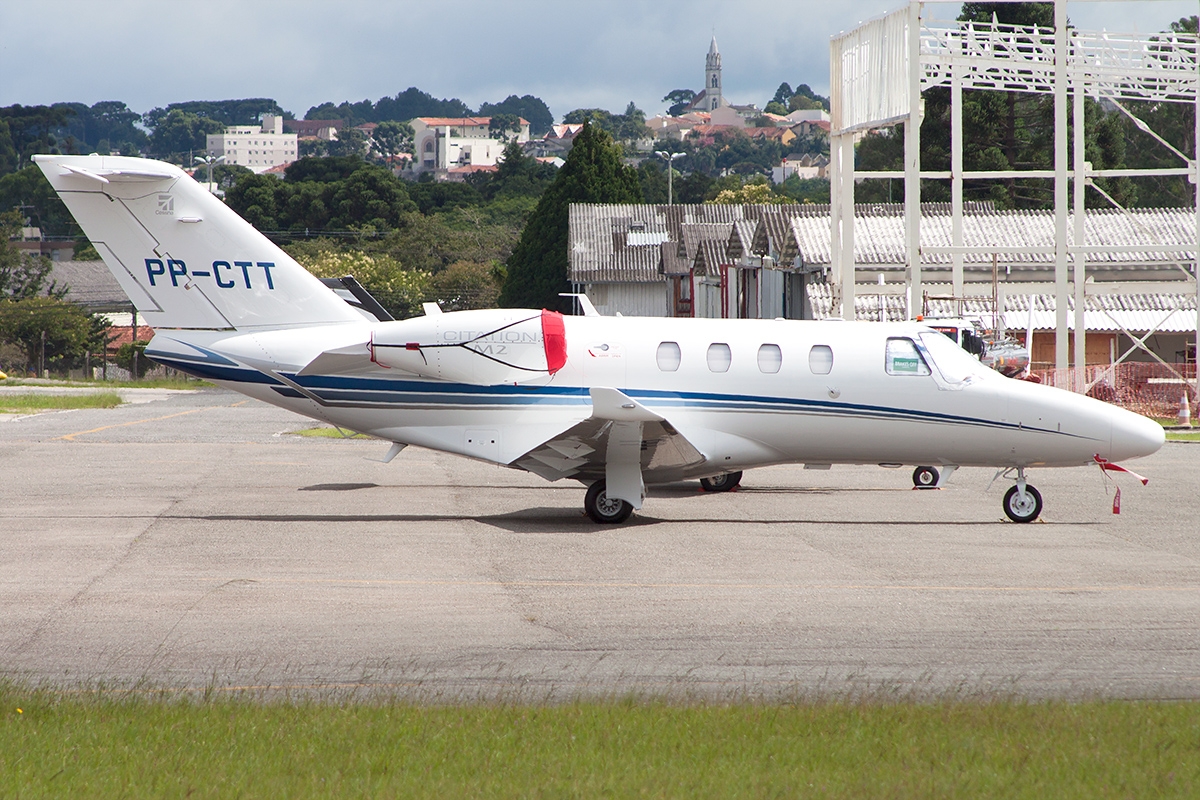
point(166, 205)
point(225, 273)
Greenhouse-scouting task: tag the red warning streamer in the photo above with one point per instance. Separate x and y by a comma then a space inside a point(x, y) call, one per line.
point(1108, 466)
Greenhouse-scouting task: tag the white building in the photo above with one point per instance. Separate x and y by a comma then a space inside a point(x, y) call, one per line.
point(258, 147)
point(444, 142)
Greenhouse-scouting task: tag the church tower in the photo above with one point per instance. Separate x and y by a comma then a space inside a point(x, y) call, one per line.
point(712, 77)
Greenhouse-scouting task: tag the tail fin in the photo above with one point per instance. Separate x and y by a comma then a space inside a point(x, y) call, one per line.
point(185, 259)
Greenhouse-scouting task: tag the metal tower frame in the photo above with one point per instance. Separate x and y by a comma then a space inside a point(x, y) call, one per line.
point(877, 74)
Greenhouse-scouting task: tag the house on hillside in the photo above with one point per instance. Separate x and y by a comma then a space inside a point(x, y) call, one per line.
point(258, 147)
point(325, 129)
point(441, 143)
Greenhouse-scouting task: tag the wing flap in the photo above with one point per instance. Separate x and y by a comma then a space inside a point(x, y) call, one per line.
point(582, 450)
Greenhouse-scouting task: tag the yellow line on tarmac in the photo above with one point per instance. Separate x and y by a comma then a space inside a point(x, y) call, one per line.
point(70, 437)
point(602, 584)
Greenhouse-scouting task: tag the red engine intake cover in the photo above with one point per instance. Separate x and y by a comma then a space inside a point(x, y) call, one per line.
point(554, 338)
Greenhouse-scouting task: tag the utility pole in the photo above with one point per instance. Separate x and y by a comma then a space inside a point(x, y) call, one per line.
point(670, 157)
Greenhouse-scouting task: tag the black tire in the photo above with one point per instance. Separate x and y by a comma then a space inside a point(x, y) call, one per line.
point(603, 509)
point(724, 482)
point(925, 477)
point(1023, 512)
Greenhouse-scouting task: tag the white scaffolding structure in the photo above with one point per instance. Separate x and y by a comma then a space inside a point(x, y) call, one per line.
point(877, 74)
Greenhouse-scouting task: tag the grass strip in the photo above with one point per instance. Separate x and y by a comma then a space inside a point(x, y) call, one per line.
point(328, 433)
point(16, 403)
point(145, 383)
point(1173, 436)
point(105, 745)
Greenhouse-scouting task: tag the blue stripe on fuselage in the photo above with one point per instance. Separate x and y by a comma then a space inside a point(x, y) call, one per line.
point(405, 393)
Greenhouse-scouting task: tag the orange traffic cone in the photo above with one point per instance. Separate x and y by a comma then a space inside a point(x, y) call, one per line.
point(1185, 413)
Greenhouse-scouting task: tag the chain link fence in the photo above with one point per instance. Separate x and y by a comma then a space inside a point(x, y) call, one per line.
point(1148, 388)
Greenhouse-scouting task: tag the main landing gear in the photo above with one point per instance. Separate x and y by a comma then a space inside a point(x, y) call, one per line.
point(604, 509)
point(1022, 502)
point(925, 478)
point(725, 482)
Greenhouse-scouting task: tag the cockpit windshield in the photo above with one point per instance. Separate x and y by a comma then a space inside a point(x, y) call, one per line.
point(955, 364)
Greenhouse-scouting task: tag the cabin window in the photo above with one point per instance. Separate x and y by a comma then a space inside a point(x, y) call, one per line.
point(719, 357)
point(668, 356)
point(820, 359)
point(770, 358)
point(903, 358)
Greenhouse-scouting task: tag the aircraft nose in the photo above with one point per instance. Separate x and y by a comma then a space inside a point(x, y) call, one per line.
point(1134, 436)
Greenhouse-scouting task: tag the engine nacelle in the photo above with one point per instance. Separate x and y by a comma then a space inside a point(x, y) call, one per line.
point(484, 348)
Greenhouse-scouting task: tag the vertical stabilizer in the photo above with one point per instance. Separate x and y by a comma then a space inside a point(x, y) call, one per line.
point(185, 259)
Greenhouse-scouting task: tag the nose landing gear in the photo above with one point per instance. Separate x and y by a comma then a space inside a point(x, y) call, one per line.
point(1022, 502)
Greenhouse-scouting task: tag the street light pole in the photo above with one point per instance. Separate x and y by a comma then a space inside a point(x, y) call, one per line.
point(210, 160)
point(670, 157)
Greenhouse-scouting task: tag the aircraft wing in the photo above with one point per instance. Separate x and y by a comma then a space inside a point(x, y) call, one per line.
point(621, 441)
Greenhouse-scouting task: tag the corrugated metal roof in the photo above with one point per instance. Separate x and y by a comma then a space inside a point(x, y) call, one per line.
point(598, 254)
point(1137, 313)
point(879, 238)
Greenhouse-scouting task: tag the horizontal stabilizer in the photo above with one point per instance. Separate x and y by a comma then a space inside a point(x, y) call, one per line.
point(119, 175)
point(351, 358)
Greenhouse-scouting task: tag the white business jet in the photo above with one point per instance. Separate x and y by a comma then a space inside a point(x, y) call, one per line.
point(616, 403)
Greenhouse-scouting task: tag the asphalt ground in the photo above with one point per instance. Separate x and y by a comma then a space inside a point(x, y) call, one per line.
point(189, 542)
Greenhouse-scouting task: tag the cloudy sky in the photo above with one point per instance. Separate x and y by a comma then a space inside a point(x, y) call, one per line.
point(572, 54)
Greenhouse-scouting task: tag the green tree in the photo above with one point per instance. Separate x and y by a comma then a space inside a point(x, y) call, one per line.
point(597, 117)
point(465, 285)
point(105, 127)
point(137, 365)
point(653, 179)
point(8, 150)
point(323, 170)
point(64, 330)
point(516, 175)
point(372, 197)
point(399, 290)
point(531, 108)
point(1175, 122)
point(21, 275)
point(807, 98)
point(35, 129)
point(804, 190)
point(391, 138)
point(776, 108)
point(30, 192)
point(593, 173)
point(349, 142)
point(756, 192)
point(247, 111)
point(679, 100)
point(437, 196)
point(502, 124)
point(631, 125)
point(782, 94)
point(693, 188)
point(258, 199)
point(180, 133)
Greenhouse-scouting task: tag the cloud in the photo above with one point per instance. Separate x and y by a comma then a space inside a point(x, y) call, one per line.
point(572, 55)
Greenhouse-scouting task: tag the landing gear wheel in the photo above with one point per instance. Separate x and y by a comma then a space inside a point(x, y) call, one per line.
point(1019, 511)
point(925, 477)
point(721, 483)
point(604, 509)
